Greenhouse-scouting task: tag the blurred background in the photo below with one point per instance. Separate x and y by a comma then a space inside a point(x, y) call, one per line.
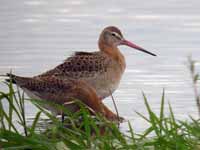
point(37, 35)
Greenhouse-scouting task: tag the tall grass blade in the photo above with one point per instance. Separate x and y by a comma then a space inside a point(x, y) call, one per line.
point(153, 118)
point(162, 111)
point(131, 132)
point(33, 127)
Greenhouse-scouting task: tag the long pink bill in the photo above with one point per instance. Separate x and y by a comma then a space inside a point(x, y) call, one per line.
point(130, 44)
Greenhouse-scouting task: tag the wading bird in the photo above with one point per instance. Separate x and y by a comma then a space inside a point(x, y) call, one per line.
point(101, 70)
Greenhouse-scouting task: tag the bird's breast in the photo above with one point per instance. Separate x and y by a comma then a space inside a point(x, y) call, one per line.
point(108, 81)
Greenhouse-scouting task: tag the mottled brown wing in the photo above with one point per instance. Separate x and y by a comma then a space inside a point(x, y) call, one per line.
point(81, 65)
point(48, 88)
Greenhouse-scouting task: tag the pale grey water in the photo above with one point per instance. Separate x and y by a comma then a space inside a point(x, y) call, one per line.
point(36, 35)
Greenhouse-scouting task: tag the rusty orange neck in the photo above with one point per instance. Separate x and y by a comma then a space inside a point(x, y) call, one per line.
point(115, 54)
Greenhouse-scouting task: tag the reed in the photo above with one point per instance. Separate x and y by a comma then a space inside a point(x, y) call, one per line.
point(195, 78)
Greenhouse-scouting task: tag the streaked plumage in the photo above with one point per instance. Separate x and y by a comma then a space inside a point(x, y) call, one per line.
point(62, 92)
point(102, 69)
point(99, 72)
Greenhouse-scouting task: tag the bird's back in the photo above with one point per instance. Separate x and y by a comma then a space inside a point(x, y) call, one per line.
point(79, 66)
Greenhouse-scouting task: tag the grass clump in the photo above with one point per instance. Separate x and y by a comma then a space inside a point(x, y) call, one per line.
point(80, 130)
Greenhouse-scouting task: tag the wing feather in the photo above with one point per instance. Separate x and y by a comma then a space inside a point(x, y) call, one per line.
point(80, 65)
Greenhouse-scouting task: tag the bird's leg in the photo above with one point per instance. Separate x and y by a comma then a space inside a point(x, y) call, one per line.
point(62, 117)
point(115, 107)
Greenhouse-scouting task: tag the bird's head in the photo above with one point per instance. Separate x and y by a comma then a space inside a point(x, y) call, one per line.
point(112, 37)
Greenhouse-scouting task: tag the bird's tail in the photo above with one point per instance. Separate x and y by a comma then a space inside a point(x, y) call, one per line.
point(9, 77)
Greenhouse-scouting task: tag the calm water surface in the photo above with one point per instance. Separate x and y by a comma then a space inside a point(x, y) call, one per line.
point(36, 35)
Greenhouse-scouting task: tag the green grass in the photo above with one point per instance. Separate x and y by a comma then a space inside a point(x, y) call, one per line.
point(163, 133)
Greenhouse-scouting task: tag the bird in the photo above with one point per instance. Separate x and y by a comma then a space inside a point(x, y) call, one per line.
point(54, 90)
point(102, 69)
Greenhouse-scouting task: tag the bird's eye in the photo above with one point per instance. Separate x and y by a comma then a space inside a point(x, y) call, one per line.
point(116, 35)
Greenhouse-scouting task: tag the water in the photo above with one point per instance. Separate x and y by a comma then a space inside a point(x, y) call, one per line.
point(36, 35)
